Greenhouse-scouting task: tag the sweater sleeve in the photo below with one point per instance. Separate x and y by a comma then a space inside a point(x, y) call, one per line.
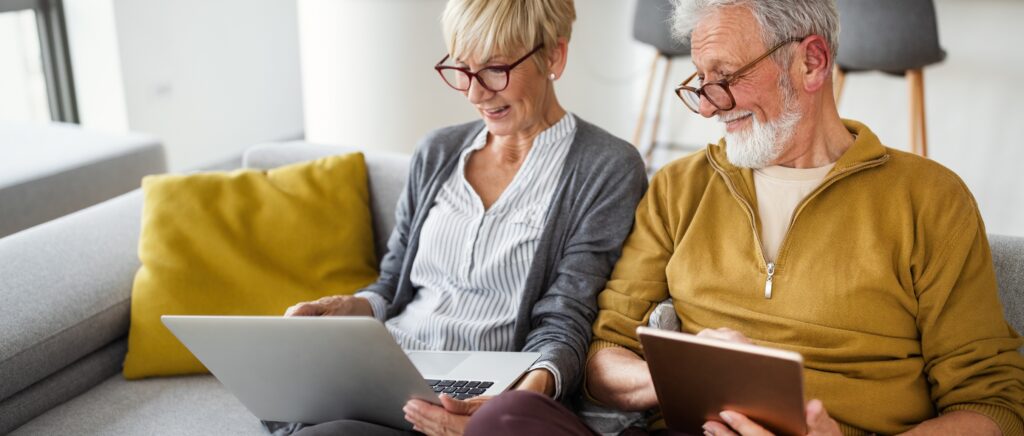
point(969, 350)
point(561, 318)
point(638, 282)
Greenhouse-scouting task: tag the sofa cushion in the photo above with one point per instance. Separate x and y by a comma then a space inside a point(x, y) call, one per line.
point(245, 243)
point(387, 173)
point(188, 405)
point(52, 169)
point(54, 390)
point(65, 289)
point(1008, 257)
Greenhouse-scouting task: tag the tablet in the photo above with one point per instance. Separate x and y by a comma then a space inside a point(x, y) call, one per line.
point(695, 378)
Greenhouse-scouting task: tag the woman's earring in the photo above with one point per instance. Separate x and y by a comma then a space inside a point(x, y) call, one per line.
point(551, 77)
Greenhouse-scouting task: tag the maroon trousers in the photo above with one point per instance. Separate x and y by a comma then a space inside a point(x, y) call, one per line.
point(525, 413)
point(528, 413)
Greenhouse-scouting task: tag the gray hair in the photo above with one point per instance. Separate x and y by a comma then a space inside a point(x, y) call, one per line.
point(779, 20)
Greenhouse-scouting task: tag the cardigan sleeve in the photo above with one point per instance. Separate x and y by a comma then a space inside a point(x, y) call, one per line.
point(561, 318)
point(638, 283)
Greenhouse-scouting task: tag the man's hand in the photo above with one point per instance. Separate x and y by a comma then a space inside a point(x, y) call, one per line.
point(818, 423)
point(448, 420)
point(335, 305)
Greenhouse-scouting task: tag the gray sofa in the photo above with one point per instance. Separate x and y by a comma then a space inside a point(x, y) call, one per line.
point(53, 169)
point(66, 287)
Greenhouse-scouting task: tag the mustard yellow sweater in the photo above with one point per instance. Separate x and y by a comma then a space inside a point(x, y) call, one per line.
point(884, 283)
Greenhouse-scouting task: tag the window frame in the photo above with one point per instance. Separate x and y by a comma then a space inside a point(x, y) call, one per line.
point(55, 53)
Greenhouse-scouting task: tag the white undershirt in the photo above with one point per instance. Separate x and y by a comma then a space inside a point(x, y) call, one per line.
point(779, 191)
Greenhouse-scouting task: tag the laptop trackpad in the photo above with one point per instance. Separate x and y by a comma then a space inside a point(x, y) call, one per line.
point(431, 363)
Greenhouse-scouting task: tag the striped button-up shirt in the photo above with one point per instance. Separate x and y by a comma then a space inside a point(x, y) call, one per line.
point(473, 262)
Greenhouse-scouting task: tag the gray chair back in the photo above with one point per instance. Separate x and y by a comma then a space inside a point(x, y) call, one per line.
point(652, 25)
point(888, 35)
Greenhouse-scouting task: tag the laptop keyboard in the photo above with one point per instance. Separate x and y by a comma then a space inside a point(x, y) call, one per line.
point(460, 389)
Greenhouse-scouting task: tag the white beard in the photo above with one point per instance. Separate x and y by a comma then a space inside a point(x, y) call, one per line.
point(762, 143)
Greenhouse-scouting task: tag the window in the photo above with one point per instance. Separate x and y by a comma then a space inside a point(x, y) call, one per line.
point(35, 68)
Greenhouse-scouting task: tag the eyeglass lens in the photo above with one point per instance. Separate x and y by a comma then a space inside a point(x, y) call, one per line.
point(492, 79)
point(715, 93)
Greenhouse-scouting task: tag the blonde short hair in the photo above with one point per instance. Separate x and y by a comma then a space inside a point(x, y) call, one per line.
point(487, 28)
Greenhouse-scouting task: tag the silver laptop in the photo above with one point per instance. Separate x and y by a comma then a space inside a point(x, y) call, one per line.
point(319, 369)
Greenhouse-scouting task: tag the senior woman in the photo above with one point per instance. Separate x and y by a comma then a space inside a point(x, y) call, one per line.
point(509, 226)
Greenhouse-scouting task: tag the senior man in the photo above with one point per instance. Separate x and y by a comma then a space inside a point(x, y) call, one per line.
point(801, 231)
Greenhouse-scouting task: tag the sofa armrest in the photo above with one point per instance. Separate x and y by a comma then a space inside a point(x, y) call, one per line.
point(65, 289)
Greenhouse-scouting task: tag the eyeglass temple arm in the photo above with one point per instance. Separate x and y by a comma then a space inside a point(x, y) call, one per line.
point(687, 80)
point(768, 53)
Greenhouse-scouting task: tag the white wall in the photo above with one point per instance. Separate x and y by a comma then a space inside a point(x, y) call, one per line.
point(96, 65)
point(368, 78)
point(367, 72)
point(207, 77)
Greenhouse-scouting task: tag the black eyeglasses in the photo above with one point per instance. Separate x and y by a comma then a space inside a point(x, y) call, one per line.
point(493, 78)
point(717, 92)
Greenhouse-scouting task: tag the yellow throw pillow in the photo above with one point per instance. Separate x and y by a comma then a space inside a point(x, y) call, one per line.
point(245, 243)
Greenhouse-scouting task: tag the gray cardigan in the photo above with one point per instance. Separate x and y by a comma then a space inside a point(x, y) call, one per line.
point(589, 217)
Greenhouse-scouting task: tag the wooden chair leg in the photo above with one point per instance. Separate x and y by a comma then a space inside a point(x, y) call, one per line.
point(838, 80)
point(657, 113)
point(918, 134)
point(642, 118)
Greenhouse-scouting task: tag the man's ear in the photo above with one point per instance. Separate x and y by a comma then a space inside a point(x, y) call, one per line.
point(558, 56)
point(815, 62)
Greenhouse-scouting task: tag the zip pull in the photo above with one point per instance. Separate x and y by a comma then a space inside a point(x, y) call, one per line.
point(768, 283)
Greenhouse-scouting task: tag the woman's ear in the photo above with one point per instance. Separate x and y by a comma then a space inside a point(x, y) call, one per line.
point(557, 57)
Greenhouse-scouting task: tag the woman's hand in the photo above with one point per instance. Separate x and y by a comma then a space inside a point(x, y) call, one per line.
point(448, 420)
point(818, 423)
point(335, 305)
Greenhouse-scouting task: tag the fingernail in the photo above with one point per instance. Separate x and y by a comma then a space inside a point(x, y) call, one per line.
point(725, 416)
point(707, 430)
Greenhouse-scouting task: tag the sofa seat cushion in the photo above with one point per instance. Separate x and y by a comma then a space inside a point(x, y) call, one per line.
point(52, 169)
point(192, 405)
point(65, 289)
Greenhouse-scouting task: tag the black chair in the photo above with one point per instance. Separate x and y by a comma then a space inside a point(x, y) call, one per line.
point(894, 36)
point(652, 25)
